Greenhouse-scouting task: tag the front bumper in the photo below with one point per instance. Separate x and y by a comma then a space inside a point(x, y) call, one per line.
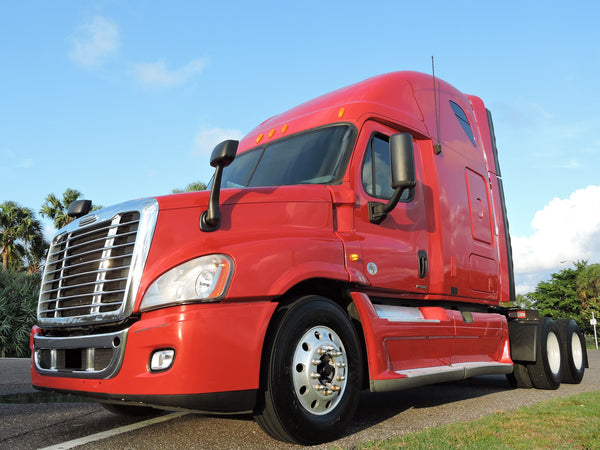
point(218, 349)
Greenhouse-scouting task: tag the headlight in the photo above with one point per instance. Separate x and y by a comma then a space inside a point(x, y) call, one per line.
point(203, 279)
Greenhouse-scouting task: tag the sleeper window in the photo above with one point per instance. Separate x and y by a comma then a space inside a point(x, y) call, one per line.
point(464, 121)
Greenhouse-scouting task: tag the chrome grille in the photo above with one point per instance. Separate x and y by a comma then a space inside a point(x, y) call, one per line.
point(88, 274)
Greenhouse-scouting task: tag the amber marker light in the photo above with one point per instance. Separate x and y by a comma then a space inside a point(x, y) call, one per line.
point(271, 133)
point(353, 257)
point(284, 128)
point(341, 113)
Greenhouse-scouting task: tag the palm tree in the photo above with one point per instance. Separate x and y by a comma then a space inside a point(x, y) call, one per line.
point(56, 209)
point(36, 254)
point(588, 282)
point(18, 226)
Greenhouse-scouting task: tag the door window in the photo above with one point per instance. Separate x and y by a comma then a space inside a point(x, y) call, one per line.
point(376, 171)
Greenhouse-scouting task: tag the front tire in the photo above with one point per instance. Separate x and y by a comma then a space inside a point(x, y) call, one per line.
point(312, 373)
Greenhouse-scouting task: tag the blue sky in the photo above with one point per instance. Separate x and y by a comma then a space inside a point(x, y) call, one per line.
point(125, 99)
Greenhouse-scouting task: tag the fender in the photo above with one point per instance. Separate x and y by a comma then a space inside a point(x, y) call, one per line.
point(296, 221)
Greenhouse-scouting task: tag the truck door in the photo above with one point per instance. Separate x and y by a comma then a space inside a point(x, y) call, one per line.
point(394, 252)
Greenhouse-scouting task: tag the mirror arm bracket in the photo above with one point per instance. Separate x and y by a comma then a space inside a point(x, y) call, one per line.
point(222, 155)
point(379, 211)
point(210, 220)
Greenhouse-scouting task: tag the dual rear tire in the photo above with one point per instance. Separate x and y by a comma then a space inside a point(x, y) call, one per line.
point(574, 359)
point(560, 357)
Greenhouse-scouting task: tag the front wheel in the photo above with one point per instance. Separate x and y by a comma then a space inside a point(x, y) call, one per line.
point(312, 375)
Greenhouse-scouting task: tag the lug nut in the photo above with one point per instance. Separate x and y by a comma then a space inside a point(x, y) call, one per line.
point(325, 350)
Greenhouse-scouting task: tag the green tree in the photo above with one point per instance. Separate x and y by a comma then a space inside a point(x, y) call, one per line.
point(36, 254)
point(18, 228)
point(558, 297)
point(588, 290)
point(572, 293)
point(522, 301)
point(192, 187)
point(18, 302)
point(56, 209)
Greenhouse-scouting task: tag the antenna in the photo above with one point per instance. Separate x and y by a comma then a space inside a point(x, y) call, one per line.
point(437, 148)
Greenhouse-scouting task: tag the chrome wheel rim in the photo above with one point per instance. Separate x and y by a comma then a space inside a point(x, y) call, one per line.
point(319, 368)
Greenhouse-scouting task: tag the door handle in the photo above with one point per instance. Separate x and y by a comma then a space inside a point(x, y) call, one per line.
point(423, 264)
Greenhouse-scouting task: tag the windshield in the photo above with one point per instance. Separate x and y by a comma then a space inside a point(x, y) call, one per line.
point(318, 156)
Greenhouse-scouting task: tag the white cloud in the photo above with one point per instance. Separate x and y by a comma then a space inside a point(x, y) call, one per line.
point(565, 231)
point(206, 140)
point(94, 42)
point(49, 230)
point(157, 73)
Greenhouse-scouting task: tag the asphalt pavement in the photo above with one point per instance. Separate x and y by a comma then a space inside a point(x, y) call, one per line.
point(15, 376)
point(379, 416)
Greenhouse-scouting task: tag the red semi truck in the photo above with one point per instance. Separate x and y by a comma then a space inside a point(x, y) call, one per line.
point(357, 241)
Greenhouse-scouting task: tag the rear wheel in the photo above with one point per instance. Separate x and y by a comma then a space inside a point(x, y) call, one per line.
point(572, 351)
point(546, 372)
point(312, 375)
point(519, 378)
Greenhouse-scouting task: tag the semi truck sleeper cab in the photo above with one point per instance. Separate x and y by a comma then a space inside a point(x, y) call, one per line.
point(357, 241)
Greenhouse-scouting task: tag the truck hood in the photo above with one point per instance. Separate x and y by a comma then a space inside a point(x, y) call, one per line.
point(274, 194)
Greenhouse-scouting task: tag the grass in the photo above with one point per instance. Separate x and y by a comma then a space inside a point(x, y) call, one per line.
point(572, 422)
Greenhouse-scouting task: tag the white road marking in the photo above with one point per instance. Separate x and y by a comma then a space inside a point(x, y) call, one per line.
point(106, 434)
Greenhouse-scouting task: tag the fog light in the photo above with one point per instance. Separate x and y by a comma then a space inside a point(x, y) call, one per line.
point(162, 360)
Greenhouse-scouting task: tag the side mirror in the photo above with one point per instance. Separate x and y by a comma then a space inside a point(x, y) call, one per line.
point(402, 164)
point(402, 161)
point(79, 208)
point(222, 155)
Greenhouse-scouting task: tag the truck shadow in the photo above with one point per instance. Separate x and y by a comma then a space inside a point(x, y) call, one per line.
point(377, 407)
